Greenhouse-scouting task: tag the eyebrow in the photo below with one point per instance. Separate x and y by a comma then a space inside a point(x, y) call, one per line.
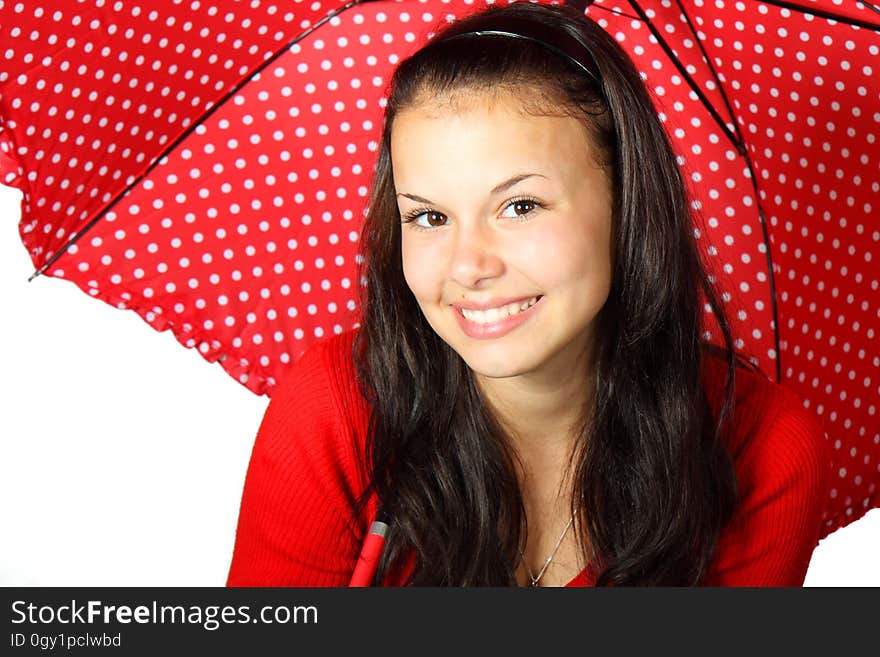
point(500, 187)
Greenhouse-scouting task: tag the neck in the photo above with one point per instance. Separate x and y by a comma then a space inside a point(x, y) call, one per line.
point(542, 418)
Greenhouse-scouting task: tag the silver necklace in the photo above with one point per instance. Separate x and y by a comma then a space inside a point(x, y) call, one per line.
point(537, 578)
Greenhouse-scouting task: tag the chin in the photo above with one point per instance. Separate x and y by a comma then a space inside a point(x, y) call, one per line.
point(495, 363)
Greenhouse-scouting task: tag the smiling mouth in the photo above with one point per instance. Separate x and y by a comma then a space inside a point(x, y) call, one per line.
point(493, 315)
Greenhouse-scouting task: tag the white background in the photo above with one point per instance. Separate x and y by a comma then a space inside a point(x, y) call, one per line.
point(123, 454)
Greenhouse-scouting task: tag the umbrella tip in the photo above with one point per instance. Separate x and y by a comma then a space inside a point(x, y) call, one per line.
point(37, 273)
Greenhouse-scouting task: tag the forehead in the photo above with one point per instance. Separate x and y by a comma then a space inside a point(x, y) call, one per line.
point(526, 98)
point(480, 137)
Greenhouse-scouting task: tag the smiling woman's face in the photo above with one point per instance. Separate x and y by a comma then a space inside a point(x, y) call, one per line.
point(511, 208)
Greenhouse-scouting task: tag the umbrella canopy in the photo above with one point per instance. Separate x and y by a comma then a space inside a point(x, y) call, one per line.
point(207, 166)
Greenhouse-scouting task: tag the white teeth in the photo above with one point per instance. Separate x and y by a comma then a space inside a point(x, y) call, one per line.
point(496, 314)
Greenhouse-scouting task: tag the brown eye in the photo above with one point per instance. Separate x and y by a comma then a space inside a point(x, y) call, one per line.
point(525, 206)
point(434, 219)
point(522, 208)
point(424, 219)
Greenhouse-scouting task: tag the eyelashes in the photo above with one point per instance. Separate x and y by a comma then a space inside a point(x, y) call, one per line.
point(411, 216)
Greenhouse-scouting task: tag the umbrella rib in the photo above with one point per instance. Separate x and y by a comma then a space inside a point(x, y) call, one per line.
point(722, 124)
point(714, 73)
point(615, 12)
point(582, 5)
point(186, 133)
point(761, 217)
point(830, 15)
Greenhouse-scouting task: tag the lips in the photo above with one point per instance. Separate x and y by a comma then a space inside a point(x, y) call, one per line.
point(494, 318)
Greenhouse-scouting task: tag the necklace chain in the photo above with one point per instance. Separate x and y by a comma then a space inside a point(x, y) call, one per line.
point(537, 578)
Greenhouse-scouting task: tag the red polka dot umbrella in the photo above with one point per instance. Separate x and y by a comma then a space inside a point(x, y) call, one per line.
point(207, 164)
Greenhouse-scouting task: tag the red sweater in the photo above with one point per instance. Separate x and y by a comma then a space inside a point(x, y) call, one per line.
point(297, 528)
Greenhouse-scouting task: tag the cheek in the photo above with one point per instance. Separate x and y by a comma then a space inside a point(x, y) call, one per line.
point(420, 269)
point(566, 252)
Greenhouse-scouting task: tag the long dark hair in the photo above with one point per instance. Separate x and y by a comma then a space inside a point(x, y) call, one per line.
point(652, 483)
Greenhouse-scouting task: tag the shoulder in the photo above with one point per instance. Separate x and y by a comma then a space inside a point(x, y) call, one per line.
point(301, 520)
point(782, 462)
point(770, 428)
point(323, 379)
point(317, 410)
point(319, 359)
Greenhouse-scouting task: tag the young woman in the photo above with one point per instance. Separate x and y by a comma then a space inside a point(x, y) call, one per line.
point(528, 400)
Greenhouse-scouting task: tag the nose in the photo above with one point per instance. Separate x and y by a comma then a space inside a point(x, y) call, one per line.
point(475, 255)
